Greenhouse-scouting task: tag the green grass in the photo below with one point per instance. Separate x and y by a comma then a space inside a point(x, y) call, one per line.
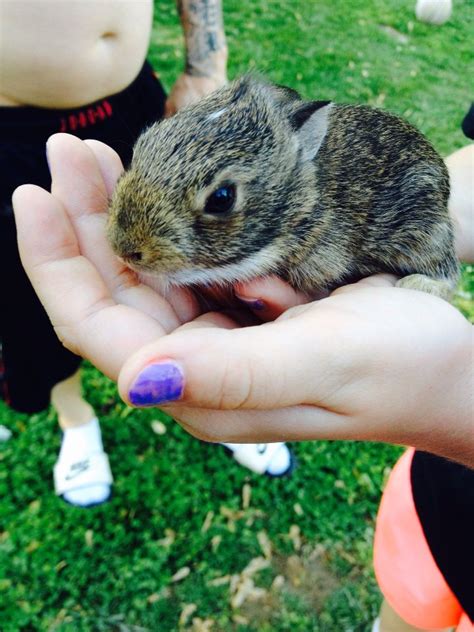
point(111, 567)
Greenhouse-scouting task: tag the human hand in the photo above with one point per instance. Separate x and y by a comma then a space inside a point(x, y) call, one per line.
point(91, 297)
point(370, 362)
point(188, 89)
point(99, 308)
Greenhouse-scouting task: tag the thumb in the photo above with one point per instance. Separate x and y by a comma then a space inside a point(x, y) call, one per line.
point(264, 367)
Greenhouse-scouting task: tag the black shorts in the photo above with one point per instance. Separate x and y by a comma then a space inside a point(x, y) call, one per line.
point(443, 493)
point(33, 358)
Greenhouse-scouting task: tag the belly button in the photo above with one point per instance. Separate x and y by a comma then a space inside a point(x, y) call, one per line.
point(108, 35)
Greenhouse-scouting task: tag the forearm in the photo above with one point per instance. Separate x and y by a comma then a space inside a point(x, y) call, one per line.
point(461, 202)
point(449, 432)
point(206, 49)
point(411, 384)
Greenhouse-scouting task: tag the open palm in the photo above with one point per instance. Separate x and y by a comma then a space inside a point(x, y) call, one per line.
point(93, 299)
point(340, 367)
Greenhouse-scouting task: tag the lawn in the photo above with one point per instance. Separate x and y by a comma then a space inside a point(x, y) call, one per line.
point(190, 540)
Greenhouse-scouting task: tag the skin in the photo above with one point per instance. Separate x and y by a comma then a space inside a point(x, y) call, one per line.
point(64, 55)
point(371, 361)
point(391, 622)
point(206, 53)
point(461, 172)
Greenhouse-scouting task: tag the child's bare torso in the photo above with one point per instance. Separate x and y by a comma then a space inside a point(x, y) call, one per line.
point(66, 53)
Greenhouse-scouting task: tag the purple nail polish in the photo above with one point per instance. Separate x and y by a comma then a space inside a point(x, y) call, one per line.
point(253, 303)
point(157, 384)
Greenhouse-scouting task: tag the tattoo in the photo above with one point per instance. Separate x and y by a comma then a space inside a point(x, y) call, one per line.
point(204, 34)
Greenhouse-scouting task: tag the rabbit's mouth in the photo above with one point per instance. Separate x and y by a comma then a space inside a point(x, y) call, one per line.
point(263, 262)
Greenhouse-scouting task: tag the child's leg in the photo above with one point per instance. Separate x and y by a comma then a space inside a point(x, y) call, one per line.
point(404, 565)
point(82, 473)
point(67, 399)
point(390, 622)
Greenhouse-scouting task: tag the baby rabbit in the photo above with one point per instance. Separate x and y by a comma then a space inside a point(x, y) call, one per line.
point(252, 180)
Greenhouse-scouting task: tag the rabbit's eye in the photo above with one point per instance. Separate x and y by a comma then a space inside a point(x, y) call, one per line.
point(221, 200)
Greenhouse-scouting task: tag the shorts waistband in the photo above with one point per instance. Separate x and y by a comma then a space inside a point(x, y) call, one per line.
point(30, 122)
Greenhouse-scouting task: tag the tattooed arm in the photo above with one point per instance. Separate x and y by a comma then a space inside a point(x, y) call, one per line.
point(206, 52)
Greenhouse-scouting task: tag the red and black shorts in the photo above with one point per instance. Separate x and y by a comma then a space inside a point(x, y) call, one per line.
point(424, 542)
point(33, 358)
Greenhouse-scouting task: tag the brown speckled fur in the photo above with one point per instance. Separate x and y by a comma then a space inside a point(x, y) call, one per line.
point(373, 199)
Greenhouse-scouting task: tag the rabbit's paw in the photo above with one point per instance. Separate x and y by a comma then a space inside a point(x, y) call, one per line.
point(438, 287)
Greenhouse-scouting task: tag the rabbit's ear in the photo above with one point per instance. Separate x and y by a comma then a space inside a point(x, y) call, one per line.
point(287, 94)
point(310, 122)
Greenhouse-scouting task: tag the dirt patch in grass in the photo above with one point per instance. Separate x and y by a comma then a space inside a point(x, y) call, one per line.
point(305, 577)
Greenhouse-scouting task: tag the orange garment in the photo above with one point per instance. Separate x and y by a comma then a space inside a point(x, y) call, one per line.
point(406, 571)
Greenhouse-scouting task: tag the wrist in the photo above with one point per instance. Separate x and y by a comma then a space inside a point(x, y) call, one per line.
point(444, 418)
point(214, 66)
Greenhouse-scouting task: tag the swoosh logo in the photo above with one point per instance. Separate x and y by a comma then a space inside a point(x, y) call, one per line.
point(77, 468)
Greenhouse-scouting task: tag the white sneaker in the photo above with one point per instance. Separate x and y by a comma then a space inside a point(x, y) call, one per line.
point(5, 433)
point(273, 459)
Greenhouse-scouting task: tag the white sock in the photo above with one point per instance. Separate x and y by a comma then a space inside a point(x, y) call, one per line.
point(78, 443)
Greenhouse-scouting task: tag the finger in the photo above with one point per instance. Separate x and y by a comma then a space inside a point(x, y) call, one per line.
point(209, 320)
point(109, 162)
point(44, 231)
point(269, 366)
point(77, 178)
point(181, 299)
point(295, 423)
point(268, 297)
point(318, 357)
point(79, 304)
point(376, 280)
point(78, 184)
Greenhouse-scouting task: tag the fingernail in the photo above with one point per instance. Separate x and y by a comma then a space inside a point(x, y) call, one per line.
point(253, 303)
point(157, 384)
